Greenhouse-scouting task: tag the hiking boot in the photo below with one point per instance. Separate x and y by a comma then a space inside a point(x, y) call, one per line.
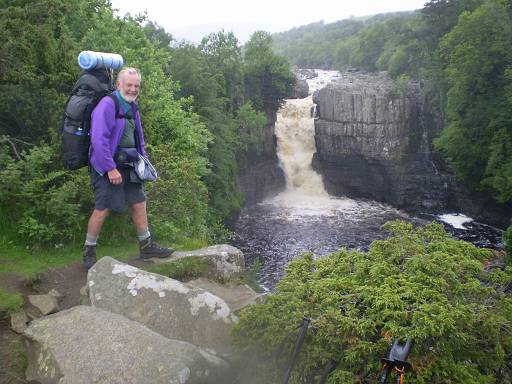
point(149, 248)
point(89, 256)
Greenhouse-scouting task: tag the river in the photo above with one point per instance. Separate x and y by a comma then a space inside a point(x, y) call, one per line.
point(305, 218)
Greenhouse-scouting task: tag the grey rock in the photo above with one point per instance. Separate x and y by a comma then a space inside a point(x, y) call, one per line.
point(300, 90)
point(89, 345)
point(226, 262)
point(46, 304)
point(84, 295)
point(167, 306)
point(53, 292)
point(237, 296)
point(374, 140)
point(19, 320)
point(260, 175)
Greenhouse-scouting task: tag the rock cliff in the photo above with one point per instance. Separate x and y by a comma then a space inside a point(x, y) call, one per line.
point(374, 140)
point(260, 175)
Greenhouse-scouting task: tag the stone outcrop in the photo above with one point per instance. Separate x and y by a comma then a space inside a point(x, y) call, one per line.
point(90, 345)
point(167, 306)
point(374, 140)
point(46, 304)
point(225, 261)
point(260, 175)
point(237, 296)
point(300, 90)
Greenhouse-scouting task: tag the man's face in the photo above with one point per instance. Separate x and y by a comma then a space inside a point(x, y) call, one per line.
point(129, 86)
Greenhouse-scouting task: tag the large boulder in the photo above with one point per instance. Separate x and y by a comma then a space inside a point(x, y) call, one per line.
point(89, 345)
point(238, 296)
point(225, 261)
point(167, 306)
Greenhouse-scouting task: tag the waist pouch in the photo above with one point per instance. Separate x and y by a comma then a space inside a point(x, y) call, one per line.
point(126, 157)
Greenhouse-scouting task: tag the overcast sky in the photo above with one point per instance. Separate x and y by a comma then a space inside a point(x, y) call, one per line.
point(192, 19)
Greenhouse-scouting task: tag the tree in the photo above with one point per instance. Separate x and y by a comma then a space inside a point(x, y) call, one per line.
point(225, 61)
point(477, 138)
point(268, 78)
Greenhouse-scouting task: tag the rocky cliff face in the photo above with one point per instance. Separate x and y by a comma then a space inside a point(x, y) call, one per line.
point(374, 140)
point(260, 175)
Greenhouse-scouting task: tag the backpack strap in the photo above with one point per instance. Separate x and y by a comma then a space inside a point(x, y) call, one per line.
point(117, 105)
point(119, 115)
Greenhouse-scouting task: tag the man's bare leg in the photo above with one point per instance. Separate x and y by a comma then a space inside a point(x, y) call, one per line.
point(148, 247)
point(140, 217)
point(93, 230)
point(96, 222)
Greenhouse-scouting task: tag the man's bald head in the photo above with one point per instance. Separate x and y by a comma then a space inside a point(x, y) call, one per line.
point(128, 71)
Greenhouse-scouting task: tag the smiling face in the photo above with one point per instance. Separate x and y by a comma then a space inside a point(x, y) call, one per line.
point(128, 83)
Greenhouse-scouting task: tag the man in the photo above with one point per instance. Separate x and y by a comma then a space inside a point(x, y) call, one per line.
point(113, 181)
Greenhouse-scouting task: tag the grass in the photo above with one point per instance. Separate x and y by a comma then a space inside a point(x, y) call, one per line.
point(182, 269)
point(10, 302)
point(20, 358)
point(29, 263)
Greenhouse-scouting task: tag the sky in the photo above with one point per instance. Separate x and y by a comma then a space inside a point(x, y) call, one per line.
point(193, 19)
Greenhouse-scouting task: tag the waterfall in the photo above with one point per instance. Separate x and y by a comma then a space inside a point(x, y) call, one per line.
point(295, 132)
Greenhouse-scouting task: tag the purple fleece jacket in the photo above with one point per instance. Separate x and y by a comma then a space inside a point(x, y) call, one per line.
point(106, 133)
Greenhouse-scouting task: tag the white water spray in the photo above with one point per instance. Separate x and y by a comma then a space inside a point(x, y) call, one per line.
point(295, 131)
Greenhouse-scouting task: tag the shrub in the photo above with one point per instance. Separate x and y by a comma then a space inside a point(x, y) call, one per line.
point(45, 204)
point(507, 238)
point(418, 283)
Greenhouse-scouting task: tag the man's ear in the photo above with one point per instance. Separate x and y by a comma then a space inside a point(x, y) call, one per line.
point(118, 84)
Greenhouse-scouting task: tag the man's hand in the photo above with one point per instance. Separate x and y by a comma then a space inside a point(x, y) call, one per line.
point(115, 177)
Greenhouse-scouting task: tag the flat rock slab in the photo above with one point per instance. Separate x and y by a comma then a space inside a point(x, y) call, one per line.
point(89, 345)
point(226, 262)
point(167, 306)
point(237, 296)
point(46, 304)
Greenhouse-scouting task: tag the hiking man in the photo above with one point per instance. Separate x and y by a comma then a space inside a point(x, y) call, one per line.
point(113, 139)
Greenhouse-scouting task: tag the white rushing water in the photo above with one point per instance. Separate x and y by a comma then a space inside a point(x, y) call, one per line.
point(456, 220)
point(295, 132)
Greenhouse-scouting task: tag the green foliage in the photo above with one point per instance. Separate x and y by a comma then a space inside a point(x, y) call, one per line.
point(350, 42)
point(418, 283)
point(507, 238)
point(250, 128)
point(45, 204)
point(186, 268)
point(478, 139)
point(267, 75)
point(10, 302)
point(232, 94)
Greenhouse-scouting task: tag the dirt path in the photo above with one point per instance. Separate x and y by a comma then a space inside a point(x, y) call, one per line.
point(67, 281)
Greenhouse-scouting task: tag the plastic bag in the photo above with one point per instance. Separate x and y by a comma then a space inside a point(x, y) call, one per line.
point(145, 170)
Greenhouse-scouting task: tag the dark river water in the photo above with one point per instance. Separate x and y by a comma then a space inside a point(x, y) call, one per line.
point(282, 228)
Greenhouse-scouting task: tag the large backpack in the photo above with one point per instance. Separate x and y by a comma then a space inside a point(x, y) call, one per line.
point(90, 88)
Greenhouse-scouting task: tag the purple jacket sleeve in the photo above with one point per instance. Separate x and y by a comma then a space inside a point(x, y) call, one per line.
point(103, 121)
